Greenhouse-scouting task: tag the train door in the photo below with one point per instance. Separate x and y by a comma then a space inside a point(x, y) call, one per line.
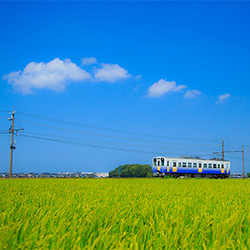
point(200, 167)
point(174, 166)
point(222, 168)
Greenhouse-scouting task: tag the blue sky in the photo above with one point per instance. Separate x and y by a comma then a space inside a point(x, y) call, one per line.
point(176, 70)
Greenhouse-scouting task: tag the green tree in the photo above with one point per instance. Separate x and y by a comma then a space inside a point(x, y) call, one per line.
point(132, 170)
point(114, 173)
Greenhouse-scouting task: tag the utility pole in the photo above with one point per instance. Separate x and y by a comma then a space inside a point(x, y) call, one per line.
point(243, 163)
point(223, 150)
point(235, 151)
point(12, 147)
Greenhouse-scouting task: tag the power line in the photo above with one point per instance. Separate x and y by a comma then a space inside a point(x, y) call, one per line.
point(238, 144)
point(112, 130)
point(114, 145)
point(109, 136)
point(91, 140)
point(95, 146)
point(237, 158)
point(88, 145)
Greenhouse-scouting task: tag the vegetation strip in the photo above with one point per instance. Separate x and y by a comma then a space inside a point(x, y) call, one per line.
point(124, 213)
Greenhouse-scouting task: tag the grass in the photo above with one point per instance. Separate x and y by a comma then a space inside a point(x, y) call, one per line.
point(124, 213)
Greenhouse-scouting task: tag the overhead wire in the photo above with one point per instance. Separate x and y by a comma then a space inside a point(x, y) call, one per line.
point(4, 131)
point(90, 140)
point(238, 158)
point(238, 144)
point(85, 144)
point(118, 131)
point(113, 130)
point(63, 139)
point(108, 136)
point(92, 145)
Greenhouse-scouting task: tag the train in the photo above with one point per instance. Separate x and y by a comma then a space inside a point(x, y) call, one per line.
point(190, 167)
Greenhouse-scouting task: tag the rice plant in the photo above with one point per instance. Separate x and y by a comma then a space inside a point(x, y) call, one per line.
point(124, 213)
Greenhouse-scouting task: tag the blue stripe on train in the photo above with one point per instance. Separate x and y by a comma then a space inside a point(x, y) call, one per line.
point(191, 171)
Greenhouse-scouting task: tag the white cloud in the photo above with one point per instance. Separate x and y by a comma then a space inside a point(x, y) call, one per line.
point(222, 98)
point(54, 75)
point(191, 94)
point(162, 87)
point(88, 60)
point(110, 73)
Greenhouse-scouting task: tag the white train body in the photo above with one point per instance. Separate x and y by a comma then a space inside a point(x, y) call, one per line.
point(191, 167)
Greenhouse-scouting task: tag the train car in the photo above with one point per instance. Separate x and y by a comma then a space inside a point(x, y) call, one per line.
point(190, 167)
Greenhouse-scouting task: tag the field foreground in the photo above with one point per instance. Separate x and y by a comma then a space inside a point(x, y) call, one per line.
point(124, 213)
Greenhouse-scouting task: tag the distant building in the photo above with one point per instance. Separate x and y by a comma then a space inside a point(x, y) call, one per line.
point(4, 175)
point(45, 175)
point(33, 175)
point(102, 175)
point(23, 175)
point(56, 175)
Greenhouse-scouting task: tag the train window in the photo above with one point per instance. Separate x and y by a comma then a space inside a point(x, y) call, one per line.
point(200, 165)
point(205, 165)
point(218, 165)
point(174, 164)
point(210, 165)
point(162, 161)
point(154, 161)
point(214, 165)
point(168, 163)
point(227, 165)
point(189, 164)
point(222, 166)
point(184, 164)
point(194, 165)
point(179, 164)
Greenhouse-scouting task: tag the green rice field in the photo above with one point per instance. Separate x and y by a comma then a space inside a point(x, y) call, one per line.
point(124, 213)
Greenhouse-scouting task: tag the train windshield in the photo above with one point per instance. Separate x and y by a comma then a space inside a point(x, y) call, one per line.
point(157, 162)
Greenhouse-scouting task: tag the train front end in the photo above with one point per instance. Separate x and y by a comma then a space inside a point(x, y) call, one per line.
point(158, 166)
